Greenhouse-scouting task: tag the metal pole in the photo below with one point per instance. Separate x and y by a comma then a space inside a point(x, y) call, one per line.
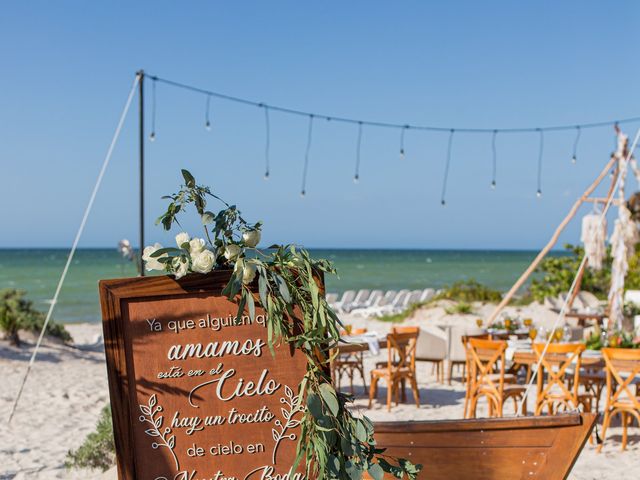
point(141, 157)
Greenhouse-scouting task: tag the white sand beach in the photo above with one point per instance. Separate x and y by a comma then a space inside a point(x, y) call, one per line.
point(67, 389)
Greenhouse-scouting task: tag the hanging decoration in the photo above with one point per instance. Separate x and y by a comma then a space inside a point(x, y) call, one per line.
point(625, 233)
point(402, 127)
point(267, 143)
point(443, 201)
point(207, 109)
point(594, 237)
point(303, 190)
point(356, 177)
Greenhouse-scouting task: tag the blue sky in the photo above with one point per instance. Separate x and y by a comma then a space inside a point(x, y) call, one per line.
point(67, 67)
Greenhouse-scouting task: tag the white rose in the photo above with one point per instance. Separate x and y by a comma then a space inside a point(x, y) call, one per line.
point(203, 261)
point(180, 267)
point(251, 238)
point(182, 238)
point(248, 271)
point(196, 245)
point(152, 263)
point(231, 252)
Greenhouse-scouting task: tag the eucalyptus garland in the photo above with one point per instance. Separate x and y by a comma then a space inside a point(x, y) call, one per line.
point(333, 443)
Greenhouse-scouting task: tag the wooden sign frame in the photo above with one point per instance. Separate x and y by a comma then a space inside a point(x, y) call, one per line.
point(114, 295)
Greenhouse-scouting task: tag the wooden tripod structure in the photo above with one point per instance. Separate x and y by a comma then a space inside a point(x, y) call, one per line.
point(612, 165)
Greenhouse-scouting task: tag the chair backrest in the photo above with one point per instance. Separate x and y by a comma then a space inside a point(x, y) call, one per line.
point(358, 331)
point(401, 349)
point(623, 366)
point(331, 298)
point(361, 296)
point(388, 297)
point(485, 358)
point(558, 358)
point(414, 297)
point(348, 296)
point(432, 344)
point(427, 294)
point(374, 298)
point(457, 350)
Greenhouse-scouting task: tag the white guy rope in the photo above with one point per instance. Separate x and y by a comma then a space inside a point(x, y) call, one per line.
point(72, 252)
point(562, 313)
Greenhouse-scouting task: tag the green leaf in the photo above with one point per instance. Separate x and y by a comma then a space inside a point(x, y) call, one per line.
point(376, 471)
point(251, 305)
point(361, 431)
point(189, 181)
point(315, 406)
point(207, 218)
point(330, 398)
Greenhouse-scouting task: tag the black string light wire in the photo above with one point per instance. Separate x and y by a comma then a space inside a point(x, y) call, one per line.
point(267, 141)
point(540, 155)
point(303, 190)
point(356, 176)
point(152, 135)
point(207, 111)
point(574, 158)
point(494, 159)
point(446, 168)
point(369, 123)
point(402, 130)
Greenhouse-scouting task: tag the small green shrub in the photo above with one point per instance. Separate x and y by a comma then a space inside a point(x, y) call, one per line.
point(17, 313)
point(469, 291)
point(460, 308)
point(98, 449)
point(402, 316)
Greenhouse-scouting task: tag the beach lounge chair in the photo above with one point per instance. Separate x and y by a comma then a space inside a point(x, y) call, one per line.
point(432, 348)
point(374, 308)
point(427, 294)
point(347, 298)
point(361, 300)
point(397, 305)
point(589, 300)
point(331, 298)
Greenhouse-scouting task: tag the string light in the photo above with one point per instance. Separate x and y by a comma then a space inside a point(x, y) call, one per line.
point(540, 154)
point(446, 168)
point(152, 136)
point(207, 123)
point(267, 143)
point(356, 177)
point(402, 130)
point(574, 158)
point(303, 190)
point(494, 155)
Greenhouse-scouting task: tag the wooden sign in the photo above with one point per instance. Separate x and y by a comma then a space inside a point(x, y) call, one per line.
point(196, 393)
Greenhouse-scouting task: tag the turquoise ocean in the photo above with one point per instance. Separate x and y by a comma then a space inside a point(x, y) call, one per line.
point(37, 271)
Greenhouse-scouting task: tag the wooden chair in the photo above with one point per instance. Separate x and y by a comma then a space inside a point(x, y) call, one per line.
point(623, 366)
point(349, 363)
point(560, 360)
point(487, 377)
point(400, 366)
point(466, 369)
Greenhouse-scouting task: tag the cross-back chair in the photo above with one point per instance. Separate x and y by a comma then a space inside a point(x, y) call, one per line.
point(400, 366)
point(559, 368)
point(623, 368)
point(349, 363)
point(487, 377)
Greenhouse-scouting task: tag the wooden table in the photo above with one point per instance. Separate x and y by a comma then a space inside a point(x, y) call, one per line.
point(583, 317)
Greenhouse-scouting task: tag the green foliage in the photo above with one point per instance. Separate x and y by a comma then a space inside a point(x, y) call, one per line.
point(333, 444)
point(555, 274)
point(98, 449)
point(617, 339)
point(469, 291)
point(459, 308)
point(17, 313)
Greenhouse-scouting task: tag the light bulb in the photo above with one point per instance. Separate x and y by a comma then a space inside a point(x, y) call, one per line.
point(539, 193)
point(356, 179)
point(493, 185)
point(443, 203)
point(266, 175)
point(303, 193)
point(402, 154)
point(207, 125)
point(152, 137)
point(574, 159)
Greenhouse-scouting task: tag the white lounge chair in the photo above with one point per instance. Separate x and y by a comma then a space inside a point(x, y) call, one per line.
point(347, 298)
point(331, 298)
point(361, 297)
point(427, 294)
point(398, 304)
point(386, 299)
